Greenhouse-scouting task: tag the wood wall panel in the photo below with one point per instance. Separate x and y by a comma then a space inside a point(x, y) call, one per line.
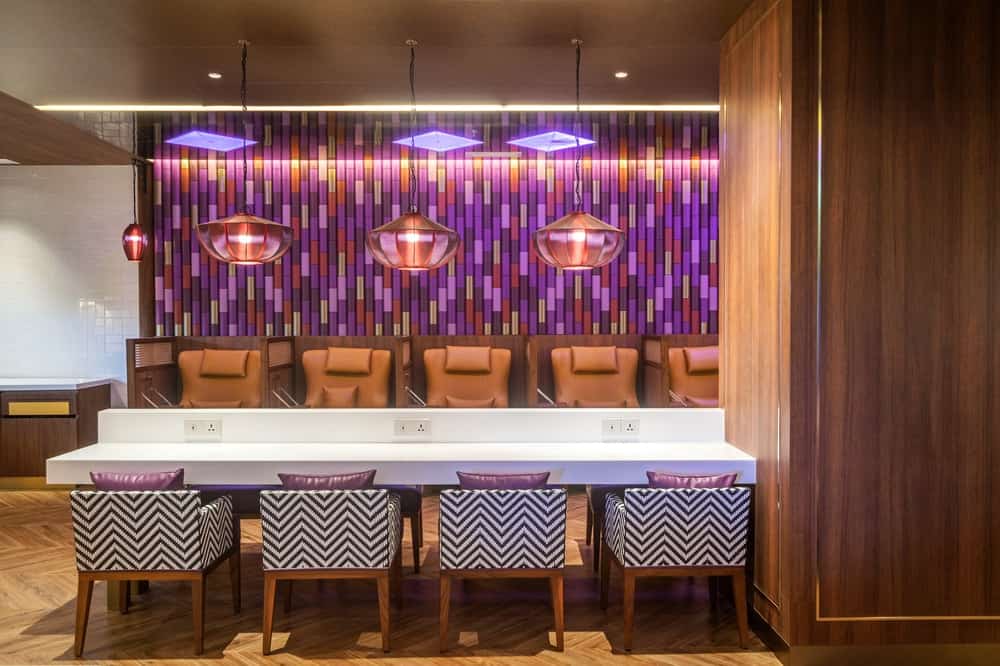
point(754, 228)
point(908, 317)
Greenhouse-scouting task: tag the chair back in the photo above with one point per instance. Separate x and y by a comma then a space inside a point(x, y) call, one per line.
point(220, 378)
point(694, 374)
point(503, 529)
point(595, 376)
point(158, 530)
point(329, 529)
point(364, 369)
point(467, 376)
point(682, 527)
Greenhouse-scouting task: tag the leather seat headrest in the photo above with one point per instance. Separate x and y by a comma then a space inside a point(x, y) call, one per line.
point(224, 363)
point(467, 359)
point(348, 360)
point(702, 359)
point(594, 359)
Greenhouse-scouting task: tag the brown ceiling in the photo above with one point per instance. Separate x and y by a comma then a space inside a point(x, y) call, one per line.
point(338, 52)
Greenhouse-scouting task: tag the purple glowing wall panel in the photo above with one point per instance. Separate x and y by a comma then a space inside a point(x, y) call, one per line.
point(333, 177)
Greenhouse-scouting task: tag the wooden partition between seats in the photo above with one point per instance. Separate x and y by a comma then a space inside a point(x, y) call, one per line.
point(151, 371)
point(518, 361)
point(655, 373)
point(400, 347)
point(539, 355)
point(280, 366)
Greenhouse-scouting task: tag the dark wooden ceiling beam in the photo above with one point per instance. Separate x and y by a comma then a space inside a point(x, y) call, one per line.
point(31, 136)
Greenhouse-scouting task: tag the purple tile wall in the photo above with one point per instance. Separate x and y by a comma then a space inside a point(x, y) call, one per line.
point(332, 177)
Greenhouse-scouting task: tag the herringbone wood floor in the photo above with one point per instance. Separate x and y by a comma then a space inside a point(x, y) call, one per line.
point(502, 622)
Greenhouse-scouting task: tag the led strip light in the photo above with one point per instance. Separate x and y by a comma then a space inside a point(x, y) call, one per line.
point(380, 108)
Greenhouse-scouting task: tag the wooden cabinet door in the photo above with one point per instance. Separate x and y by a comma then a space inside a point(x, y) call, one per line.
point(26, 442)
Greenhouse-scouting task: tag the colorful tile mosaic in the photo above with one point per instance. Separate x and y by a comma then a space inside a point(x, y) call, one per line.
point(333, 177)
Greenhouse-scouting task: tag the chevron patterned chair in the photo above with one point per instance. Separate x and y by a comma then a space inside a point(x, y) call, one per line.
point(330, 534)
point(677, 532)
point(503, 534)
point(152, 535)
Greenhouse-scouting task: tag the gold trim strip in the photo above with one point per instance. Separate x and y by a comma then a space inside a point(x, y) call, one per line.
point(39, 408)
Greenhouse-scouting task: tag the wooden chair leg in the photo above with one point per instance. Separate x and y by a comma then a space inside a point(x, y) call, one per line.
point(288, 597)
point(383, 608)
point(420, 526)
point(234, 580)
point(605, 574)
point(415, 538)
point(84, 592)
point(629, 607)
point(598, 537)
point(740, 599)
point(270, 589)
point(198, 611)
point(556, 585)
point(590, 523)
point(396, 578)
point(123, 596)
point(445, 607)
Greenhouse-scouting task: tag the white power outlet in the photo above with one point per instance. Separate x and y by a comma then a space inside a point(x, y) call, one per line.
point(630, 428)
point(202, 430)
point(412, 428)
point(611, 429)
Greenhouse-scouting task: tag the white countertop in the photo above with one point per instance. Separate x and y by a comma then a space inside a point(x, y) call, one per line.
point(234, 463)
point(251, 446)
point(51, 383)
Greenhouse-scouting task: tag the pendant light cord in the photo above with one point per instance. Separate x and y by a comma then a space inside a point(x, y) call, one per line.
point(243, 102)
point(577, 175)
point(413, 124)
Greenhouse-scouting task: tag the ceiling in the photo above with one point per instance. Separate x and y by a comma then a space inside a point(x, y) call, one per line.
point(307, 52)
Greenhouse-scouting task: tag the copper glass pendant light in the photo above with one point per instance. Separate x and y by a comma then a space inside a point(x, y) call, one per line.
point(244, 238)
point(134, 239)
point(578, 241)
point(412, 242)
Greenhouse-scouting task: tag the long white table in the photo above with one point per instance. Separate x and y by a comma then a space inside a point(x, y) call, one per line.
point(572, 444)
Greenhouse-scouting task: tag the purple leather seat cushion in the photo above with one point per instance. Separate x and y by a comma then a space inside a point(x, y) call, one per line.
point(138, 480)
point(671, 480)
point(352, 481)
point(475, 481)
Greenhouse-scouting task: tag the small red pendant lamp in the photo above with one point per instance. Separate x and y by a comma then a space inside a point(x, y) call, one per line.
point(412, 242)
point(244, 238)
point(578, 241)
point(134, 239)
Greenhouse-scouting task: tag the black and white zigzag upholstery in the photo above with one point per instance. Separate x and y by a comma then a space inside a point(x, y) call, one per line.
point(503, 529)
point(679, 527)
point(330, 529)
point(161, 530)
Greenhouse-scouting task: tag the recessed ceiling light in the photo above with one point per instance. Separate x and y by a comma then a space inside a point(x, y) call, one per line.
point(214, 75)
point(621, 75)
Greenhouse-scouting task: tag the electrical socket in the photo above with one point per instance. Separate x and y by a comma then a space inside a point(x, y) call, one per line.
point(620, 430)
point(412, 428)
point(202, 430)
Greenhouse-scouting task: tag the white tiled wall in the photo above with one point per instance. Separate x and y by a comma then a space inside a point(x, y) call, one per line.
point(68, 297)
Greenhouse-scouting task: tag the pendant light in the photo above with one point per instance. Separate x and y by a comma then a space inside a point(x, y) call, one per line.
point(244, 238)
point(578, 241)
point(412, 242)
point(134, 239)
